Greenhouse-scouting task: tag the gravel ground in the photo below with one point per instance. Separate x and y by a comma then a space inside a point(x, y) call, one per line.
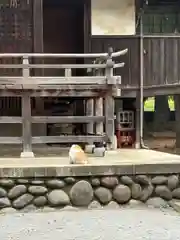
point(126, 224)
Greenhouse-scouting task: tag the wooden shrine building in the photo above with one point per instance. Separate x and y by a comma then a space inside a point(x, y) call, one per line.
point(76, 61)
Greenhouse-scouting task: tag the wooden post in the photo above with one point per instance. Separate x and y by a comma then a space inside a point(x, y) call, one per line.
point(40, 128)
point(137, 119)
point(90, 112)
point(68, 72)
point(99, 112)
point(89, 148)
point(99, 107)
point(109, 122)
point(26, 117)
point(118, 109)
point(110, 104)
point(177, 120)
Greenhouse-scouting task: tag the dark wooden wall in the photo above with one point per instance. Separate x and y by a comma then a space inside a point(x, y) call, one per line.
point(161, 58)
point(130, 72)
point(16, 36)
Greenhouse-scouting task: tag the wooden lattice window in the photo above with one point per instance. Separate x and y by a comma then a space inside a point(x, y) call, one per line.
point(15, 36)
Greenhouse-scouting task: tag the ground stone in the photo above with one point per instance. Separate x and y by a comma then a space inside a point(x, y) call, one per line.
point(4, 202)
point(122, 194)
point(69, 208)
point(157, 202)
point(135, 203)
point(146, 193)
point(17, 191)
point(109, 182)
point(94, 205)
point(81, 194)
point(126, 180)
point(136, 191)
point(29, 208)
point(175, 204)
point(37, 190)
point(176, 193)
point(70, 180)
point(8, 210)
point(104, 195)
point(95, 182)
point(40, 201)
point(47, 209)
point(22, 181)
point(37, 182)
point(142, 179)
point(112, 205)
point(7, 183)
point(159, 180)
point(55, 184)
point(172, 182)
point(22, 201)
point(3, 192)
point(163, 192)
point(58, 198)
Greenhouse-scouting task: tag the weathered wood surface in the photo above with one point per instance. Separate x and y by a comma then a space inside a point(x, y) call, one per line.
point(26, 122)
point(55, 119)
point(64, 55)
point(99, 113)
point(53, 139)
point(90, 113)
point(53, 92)
point(109, 114)
point(27, 86)
point(33, 81)
point(160, 54)
point(67, 139)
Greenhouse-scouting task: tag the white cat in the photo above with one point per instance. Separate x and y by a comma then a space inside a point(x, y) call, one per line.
point(77, 155)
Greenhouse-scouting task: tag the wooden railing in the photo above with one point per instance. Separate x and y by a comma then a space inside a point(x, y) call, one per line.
point(30, 82)
point(26, 85)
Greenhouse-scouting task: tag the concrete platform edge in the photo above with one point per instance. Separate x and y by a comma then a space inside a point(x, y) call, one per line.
point(88, 170)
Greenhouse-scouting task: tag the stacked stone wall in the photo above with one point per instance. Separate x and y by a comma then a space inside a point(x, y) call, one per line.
point(26, 194)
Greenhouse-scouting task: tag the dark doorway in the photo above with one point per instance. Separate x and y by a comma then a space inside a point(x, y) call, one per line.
point(63, 30)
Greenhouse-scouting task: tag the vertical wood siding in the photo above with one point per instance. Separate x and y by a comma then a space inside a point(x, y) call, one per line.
point(161, 58)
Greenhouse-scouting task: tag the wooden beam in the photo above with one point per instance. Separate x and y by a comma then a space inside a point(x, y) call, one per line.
point(56, 66)
point(26, 117)
point(11, 120)
point(26, 126)
point(55, 119)
point(90, 113)
point(62, 87)
point(64, 55)
point(11, 140)
point(53, 93)
point(109, 121)
point(99, 113)
point(177, 119)
point(67, 139)
point(33, 82)
point(38, 26)
point(137, 124)
point(67, 119)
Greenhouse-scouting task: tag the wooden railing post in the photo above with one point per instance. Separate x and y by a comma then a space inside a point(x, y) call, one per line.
point(90, 112)
point(99, 109)
point(26, 116)
point(109, 104)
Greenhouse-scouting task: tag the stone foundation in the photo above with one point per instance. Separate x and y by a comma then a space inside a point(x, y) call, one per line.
point(26, 194)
